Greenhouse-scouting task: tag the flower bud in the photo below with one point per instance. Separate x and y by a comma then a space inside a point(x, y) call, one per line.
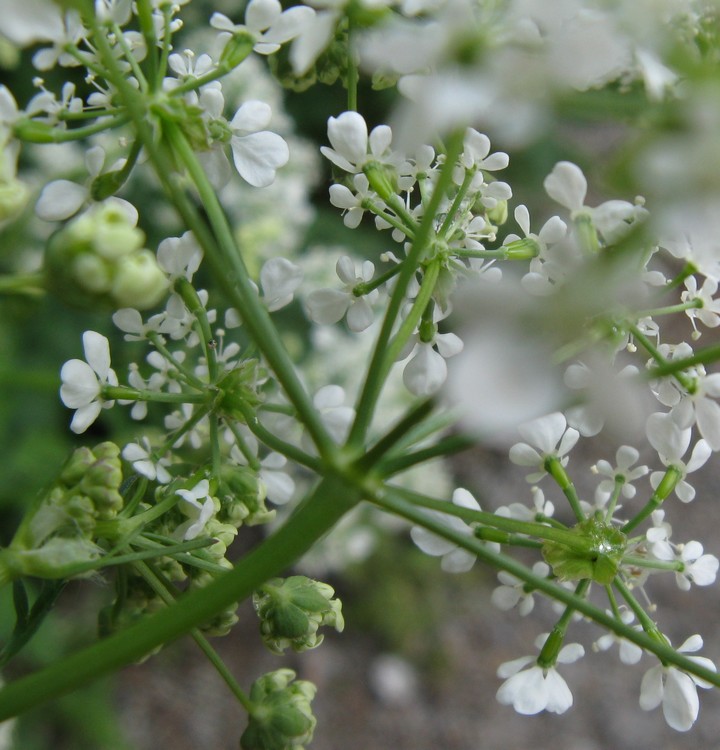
point(13, 199)
point(139, 281)
point(237, 48)
point(281, 717)
point(292, 610)
point(97, 259)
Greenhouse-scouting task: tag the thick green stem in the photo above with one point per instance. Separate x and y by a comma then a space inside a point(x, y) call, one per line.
point(316, 516)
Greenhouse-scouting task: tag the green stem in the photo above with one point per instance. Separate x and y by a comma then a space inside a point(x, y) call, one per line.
point(315, 517)
point(705, 356)
point(163, 590)
point(653, 351)
point(233, 277)
point(32, 284)
point(540, 531)
point(368, 398)
point(551, 648)
point(39, 132)
point(445, 447)
point(644, 562)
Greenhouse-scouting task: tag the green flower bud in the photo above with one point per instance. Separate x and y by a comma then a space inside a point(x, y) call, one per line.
point(97, 259)
point(237, 48)
point(524, 249)
point(291, 610)
point(14, 196)
point(57, 558)
point(114, 235)
point(281, 717)
point(382, 179)
point(139, 281)
point(498, 214)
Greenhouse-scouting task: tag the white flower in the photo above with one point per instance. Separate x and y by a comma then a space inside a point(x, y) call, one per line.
point(267, 21)
point(630, 653)
point(426, 370)
point(671, 442)
point(200, 512)
point(454, 559)
point(180, 257)
point(328, 306)
point(530, 691)
point(513, 593)
point(547, 436)
point(567, 185)
point(337, 418)
point(675, 689)
point(82, 382)
point(698, 568)
point(625, 457)
point(141, 457)
point(348, 135)
point(257, 153)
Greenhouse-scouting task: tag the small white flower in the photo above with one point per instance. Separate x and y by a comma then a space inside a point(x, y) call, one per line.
point(267, 21)
point(546, 436)
point(630, 653)
point(671, 442)
point(426, 371)
point(348, 135)
point(199, 512)
point(180, 257)
point(625, 457)
point(675, 689)
point(698, 568)
point(257, 153)
point(512, 592)
point(82, 382)
point(329, 306)
point(530, 691)
point(141, 457)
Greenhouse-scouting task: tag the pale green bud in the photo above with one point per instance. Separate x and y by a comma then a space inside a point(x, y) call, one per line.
point(93, 273)
point(139, 281)
point(281, 717)
point(113, 234)
point(13, 199)
point(498, 214)
point(238, 47)
point(292, 610)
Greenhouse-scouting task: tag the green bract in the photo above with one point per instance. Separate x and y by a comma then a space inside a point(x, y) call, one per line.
point(598, 562)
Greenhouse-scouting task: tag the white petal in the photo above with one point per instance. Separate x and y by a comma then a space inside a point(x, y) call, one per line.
point(85, 416)
point(97, 353)
point(258, 156)
point(60, 200)
point(430, 543)
point(360, 315)
point(680, 701)
point(348, 136)
point(559, 697)
point(252, 116)
point(567, 185)
point(327, 306)
point(261, 14)
point(651, 688)
point(525, 691)
point(425, 372)
point(79, 384)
